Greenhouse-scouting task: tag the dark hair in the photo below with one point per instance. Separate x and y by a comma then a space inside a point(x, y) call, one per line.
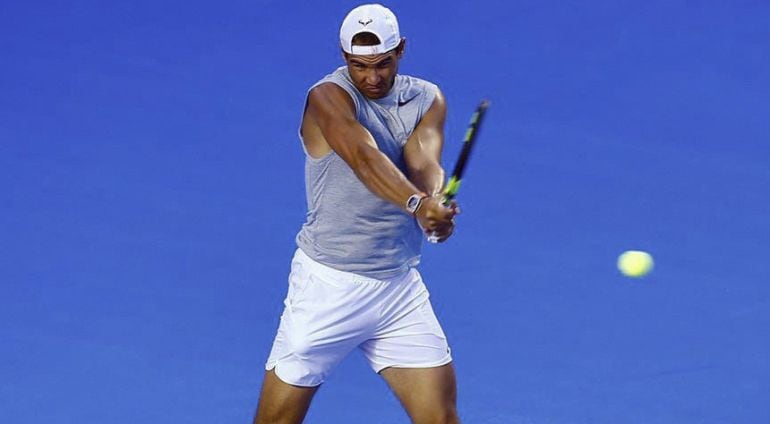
point(365, 39)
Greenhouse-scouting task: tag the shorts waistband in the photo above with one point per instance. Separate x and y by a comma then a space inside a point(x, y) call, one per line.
point(336, 274)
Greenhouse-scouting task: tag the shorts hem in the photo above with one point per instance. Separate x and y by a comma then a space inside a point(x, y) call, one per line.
point(274, 366)
point(434, 364)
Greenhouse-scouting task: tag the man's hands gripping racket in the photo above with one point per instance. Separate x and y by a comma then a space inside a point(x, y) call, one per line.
point(453, 185)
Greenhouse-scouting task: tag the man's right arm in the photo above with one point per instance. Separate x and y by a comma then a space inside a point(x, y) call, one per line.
point(333, 111)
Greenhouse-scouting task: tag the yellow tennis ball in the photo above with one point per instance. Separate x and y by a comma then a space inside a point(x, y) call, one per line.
point(635, 263)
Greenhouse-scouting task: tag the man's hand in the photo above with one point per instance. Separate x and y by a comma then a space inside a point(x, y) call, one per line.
point(435, 218)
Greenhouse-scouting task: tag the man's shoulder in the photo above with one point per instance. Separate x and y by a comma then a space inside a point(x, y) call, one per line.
point(338, 78)
point(413, 80)
point(337, 75)
point(411, 87)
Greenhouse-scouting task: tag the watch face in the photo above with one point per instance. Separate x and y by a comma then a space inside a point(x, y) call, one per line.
point(413, 203)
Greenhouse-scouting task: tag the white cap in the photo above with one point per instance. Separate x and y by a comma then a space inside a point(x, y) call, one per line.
point(374, 18)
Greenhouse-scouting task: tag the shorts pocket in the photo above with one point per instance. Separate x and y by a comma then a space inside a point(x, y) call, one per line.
point(430, 320)
point(298, 281)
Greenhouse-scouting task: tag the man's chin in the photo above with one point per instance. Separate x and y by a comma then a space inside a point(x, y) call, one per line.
point(374, 93)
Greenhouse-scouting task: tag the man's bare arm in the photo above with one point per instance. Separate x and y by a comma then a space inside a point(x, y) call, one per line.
point(334, 112)
point(422, 152)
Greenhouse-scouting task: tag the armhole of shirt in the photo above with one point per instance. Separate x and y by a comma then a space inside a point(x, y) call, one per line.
point(430, 96)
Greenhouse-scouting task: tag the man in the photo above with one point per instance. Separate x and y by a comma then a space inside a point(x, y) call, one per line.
point(373, 142)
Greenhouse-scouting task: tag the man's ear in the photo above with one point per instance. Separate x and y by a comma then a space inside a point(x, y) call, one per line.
point(401, 47)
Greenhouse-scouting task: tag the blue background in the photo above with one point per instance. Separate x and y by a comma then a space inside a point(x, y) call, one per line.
point(151, 186)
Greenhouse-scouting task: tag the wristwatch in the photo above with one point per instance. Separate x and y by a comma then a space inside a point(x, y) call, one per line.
point(414, 201)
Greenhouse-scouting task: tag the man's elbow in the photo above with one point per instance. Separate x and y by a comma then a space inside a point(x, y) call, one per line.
point(425, 168)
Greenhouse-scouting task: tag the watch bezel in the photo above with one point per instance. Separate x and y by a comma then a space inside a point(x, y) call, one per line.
point(413, 202)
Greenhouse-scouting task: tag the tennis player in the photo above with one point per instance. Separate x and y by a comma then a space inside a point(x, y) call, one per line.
point(373, 141)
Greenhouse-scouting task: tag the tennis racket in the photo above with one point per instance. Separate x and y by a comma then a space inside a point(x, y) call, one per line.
point(453, 185)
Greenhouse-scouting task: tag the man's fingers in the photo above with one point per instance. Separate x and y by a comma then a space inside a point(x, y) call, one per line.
point(442, 228)
point(442, 237)
point(438, 220)
point(440, 224)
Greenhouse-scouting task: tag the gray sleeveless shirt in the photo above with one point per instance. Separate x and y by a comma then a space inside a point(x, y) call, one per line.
point(348, 227)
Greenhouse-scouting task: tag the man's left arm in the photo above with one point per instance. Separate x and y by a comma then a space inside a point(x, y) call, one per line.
point(422, 154)
point(422, 151)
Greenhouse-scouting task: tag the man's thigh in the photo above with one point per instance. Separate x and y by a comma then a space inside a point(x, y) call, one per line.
point(282, 403)
point(429, 395)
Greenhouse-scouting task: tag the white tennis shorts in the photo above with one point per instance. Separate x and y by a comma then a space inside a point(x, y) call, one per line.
point(328, 313)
